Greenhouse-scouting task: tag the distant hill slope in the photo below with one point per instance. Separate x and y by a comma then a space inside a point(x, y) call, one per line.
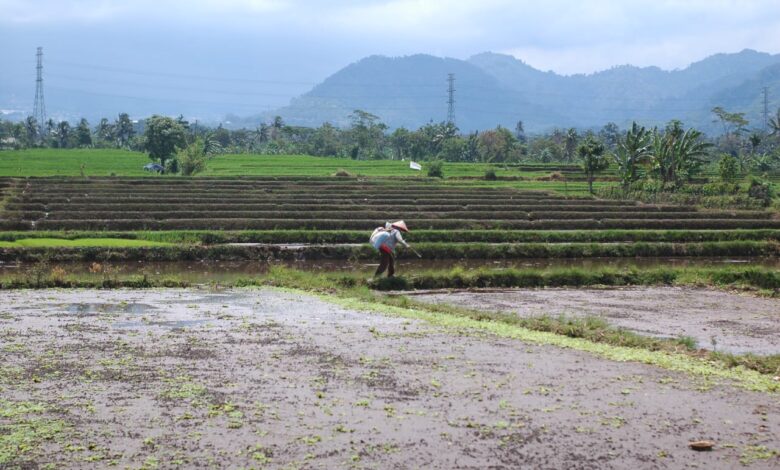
point(411, 91)
point(494, 89)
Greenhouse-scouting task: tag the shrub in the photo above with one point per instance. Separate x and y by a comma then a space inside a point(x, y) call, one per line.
point(490, 174)
point(342, 174)
point(713, 189)
point(390, 283)
point(728, 168)
point(761, 190)
point(435, 169)
point(192, 159)
point(172, 165)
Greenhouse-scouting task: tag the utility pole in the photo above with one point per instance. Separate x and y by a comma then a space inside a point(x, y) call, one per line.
point(39, 110)
point(451, 98)
point(766, 108)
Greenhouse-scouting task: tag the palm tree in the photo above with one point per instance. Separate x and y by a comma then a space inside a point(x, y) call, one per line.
point(570, 144)
point(261, 132)
point(764, 161)
point(676, 154)
point(32, 130)
point(774, 124)
point(123, 130)
point(63, 134)
point(211, 145)
point(630, 152)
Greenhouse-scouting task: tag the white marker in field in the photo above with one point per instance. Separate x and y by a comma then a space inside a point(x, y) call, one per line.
point(415, 166)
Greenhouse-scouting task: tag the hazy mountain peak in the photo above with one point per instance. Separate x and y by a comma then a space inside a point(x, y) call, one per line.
point(494, 88)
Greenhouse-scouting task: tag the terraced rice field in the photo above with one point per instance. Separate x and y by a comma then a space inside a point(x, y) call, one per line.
point(346, 376)
point(328, 203)
point(452, 221)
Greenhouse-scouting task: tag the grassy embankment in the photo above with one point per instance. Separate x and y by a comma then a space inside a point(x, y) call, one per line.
point(121, 250)
point(214, 237)
point(80, 242)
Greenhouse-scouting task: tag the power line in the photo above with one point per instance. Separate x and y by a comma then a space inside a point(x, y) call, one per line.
point(177, 75)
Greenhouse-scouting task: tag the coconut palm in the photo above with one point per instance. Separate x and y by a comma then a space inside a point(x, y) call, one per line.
point(32, 130)
point(211, 145)
point(570, 144)
point(62, 132)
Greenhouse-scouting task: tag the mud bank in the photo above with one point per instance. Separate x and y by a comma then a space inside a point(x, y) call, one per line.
point(263, 378)
point(717, 320)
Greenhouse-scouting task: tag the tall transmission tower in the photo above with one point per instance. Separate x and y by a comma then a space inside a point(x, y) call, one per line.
point(766, 108)
point(451, 98)
point(39, 110)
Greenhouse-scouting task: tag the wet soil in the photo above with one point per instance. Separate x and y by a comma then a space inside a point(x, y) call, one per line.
point(723, 321)
point(252, 378)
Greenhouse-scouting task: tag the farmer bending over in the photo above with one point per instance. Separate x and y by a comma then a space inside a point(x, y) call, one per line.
point(385, 239)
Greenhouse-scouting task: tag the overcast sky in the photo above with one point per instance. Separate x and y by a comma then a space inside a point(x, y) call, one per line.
point(291, 45)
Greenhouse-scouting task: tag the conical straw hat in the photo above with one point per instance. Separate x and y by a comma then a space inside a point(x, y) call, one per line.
point(400, 225)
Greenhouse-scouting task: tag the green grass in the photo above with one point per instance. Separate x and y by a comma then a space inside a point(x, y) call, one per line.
point(300, 165)
point(104, 162)
point(79, 242)
point(54, 162)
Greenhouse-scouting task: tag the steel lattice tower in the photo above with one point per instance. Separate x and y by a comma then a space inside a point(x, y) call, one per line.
point(451, 98)
point(766, 108)
point(39, 110)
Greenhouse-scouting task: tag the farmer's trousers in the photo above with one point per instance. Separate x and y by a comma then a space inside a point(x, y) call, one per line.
point(388, 262)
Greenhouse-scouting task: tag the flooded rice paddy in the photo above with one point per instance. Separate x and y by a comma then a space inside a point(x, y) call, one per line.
point(715, 320)
point(249, 378)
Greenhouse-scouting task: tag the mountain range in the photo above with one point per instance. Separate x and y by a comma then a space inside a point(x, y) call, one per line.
point(497, 89)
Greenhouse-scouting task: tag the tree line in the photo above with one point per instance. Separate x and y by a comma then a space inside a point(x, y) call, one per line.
point(672, 154)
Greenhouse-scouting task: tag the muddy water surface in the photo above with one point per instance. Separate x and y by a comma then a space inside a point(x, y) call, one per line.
point(264, 378)
point(717, 320)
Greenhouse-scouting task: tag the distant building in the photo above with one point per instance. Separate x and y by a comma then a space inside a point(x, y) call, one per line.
point(9, 143)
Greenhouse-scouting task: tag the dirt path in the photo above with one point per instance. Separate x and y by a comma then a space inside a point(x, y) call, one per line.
point(715, 319)
point(263, 378)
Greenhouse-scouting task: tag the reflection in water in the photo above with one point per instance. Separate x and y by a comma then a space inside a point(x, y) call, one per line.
point(173, 324)
point(94, 308)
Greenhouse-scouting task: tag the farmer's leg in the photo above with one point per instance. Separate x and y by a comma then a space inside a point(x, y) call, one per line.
point(391, 265)
point(382, 264)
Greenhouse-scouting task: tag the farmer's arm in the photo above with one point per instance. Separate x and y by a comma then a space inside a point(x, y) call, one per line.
point(401, 239)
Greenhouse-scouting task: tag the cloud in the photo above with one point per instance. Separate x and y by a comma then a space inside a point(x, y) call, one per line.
point(671, 52)
point(92, 11)
point(562, 35)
